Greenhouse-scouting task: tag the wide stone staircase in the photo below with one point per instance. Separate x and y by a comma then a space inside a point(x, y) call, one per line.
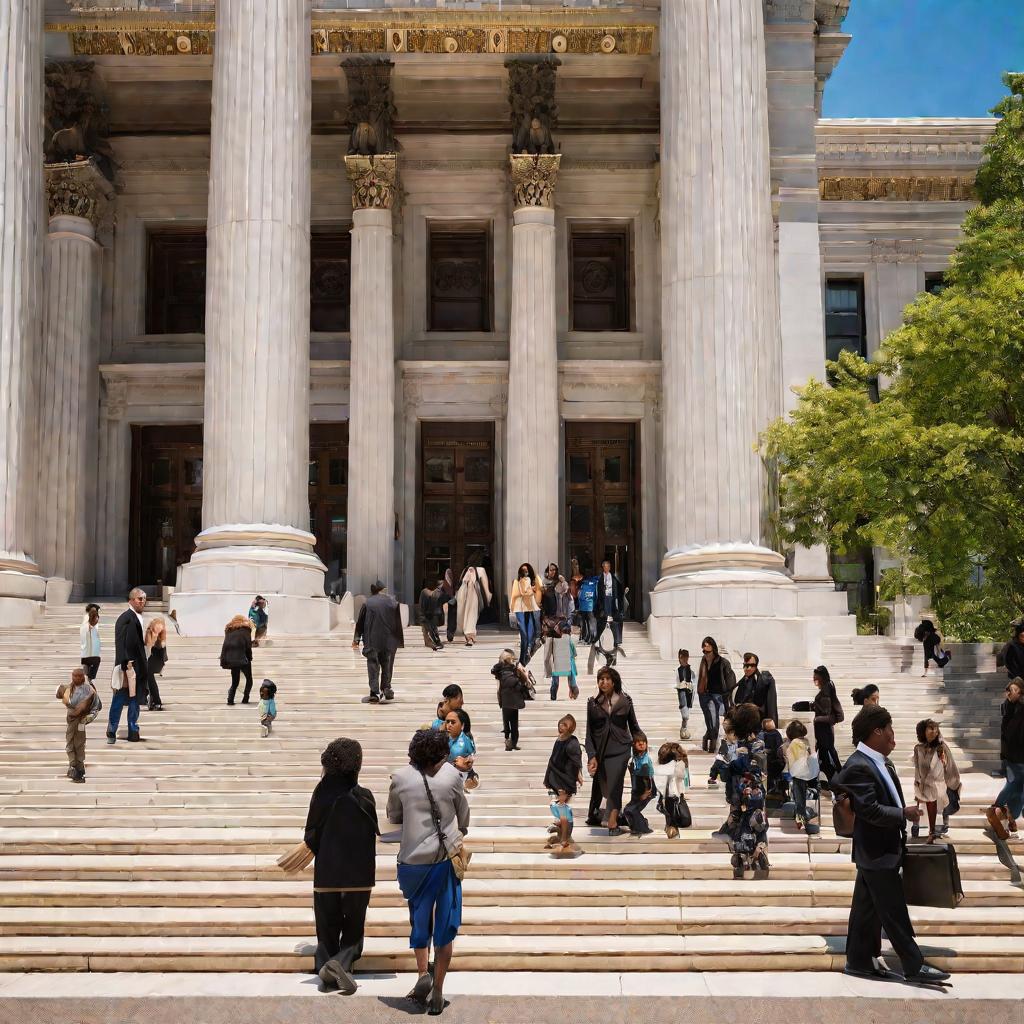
point(164, 860)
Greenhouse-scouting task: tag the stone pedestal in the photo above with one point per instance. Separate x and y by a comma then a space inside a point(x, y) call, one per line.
point(371, 433)
point(532, 420)
point(255, 536)
point(69, 400)
point(721, 348)
point(22, 586)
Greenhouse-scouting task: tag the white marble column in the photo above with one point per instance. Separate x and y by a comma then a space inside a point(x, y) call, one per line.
point(371, 432)
point(69, 395)
point(532, 425)
point(256, 419)
point(21, 233)
point(720, 321)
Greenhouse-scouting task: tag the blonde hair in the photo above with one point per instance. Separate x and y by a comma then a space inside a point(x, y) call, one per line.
point(507, 656)
point(237, 623)
point(156, 628)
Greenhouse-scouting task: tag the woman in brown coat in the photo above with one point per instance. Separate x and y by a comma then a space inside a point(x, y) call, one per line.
point(236, 655)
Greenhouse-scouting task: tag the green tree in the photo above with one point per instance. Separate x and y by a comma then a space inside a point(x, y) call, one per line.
point(933, 469)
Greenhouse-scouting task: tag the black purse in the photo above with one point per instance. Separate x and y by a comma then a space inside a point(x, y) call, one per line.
point(953, 798)
point(931, 876)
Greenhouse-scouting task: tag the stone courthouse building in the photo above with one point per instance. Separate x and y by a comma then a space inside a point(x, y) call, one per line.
point(297, 294)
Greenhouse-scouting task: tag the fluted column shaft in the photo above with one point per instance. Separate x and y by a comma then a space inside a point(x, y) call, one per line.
point(532, 421)
point(371, 435)
point(69, 403)
point(720, 322)
point(21, 227)
point(256, 440)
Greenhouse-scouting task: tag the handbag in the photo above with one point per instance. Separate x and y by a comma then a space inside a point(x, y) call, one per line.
point(931, 876)
point(843, 815)
point(459, 857)
point(953, 798)
point(298, 858)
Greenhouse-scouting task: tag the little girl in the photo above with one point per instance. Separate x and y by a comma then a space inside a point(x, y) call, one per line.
point(802, 767)
point(672, 777)
point(564, 774)
point(685, 681)
point(935, 772)
point(461, 748)
point(267, 707)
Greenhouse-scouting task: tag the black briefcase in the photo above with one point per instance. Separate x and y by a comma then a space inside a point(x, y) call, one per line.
point(931, 876)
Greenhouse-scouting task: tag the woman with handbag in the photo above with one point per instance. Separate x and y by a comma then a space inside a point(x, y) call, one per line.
point(935, 777)
point(828, 713)
point(524, 602)
point(427, 799)
point(473, 597)
point(611, 725)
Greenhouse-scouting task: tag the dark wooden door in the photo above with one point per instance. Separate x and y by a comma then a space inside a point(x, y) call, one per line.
point(455, 521)
point(167, 500)
point(602, 499)
point(328, 494)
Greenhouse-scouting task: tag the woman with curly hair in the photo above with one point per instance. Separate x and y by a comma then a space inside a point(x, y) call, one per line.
point(428, 800)
point(341, 830)
point(236, 655)
point(611, 726)
point(746, 829)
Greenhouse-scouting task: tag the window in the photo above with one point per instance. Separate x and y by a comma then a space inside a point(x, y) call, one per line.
point(935, 284)
point(176, 281)
point(844, 317)
point(600, 278)
point(329, 279)
point(459, 277)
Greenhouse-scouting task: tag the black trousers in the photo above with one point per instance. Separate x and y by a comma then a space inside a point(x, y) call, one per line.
point(91, 666)
point(451, 619)
point(878, 902)
point(594, 810)
point(825, 743)
point(340, 919)
point(379, 666)
point(235, 674)
point(510, 725)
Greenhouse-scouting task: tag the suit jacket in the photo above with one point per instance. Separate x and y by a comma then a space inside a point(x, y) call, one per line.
point(341, 830)
point(379, 625)
point(130, 646)
point(616, 596)
point(880, 830)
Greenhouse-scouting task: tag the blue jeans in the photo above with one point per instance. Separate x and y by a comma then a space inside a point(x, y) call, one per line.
point(1011, 796)
point(118, 701)
point(573, 688)
point(713, 706)
point(527, 631)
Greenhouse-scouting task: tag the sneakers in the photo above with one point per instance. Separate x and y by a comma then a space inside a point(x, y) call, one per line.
point(684, 733)
point(78, 777)
point(111, 738)
point(389, 696)
point(264, 731)
point(370, 698)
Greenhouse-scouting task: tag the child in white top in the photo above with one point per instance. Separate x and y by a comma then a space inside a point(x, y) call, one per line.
point(801, 766)
point(672, 777)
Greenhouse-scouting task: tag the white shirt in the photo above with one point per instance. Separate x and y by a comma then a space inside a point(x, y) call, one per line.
point(608, 584)
point(882, 770)
point(90, 637)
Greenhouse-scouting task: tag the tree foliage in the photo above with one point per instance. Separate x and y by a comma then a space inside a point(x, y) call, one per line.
point(934, 469)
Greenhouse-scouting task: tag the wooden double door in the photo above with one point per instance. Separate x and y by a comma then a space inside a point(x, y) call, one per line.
point(167, 498)
point(455, 513)
point(602, 499)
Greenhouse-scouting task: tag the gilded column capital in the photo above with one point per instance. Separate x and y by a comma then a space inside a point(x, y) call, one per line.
point(374, 180)
point(77, 188)
point(534, 177)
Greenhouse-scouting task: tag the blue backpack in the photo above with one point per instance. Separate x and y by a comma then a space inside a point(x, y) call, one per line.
point(588, 594)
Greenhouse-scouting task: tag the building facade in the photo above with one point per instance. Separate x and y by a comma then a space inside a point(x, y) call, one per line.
point(297, 298)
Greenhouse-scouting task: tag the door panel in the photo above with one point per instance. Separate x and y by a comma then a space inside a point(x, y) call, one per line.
point(328, 495)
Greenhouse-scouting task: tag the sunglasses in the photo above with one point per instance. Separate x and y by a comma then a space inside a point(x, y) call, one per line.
point(750, 664)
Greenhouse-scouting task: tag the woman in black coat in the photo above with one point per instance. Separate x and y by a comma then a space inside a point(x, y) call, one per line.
point(236, 655)
point(341, 830)
point(828, 713)
point(513, 687)
point(611, 725)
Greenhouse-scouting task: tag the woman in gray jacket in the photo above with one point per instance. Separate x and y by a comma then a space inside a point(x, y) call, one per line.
point(427, 799)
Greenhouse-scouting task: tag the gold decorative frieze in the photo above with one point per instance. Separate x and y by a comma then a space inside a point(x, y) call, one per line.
point(78, 189)
point(951, 188)
point(373, 179)
point(143, 42)
point(534, 177)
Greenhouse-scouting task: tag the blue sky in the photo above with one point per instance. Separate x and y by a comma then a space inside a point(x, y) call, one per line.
point(926, 58)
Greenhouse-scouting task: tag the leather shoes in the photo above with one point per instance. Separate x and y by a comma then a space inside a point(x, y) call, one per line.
point(927, 975)
point(876, 972)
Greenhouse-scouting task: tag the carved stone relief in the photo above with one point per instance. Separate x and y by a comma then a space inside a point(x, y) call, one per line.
point(371, 107)
point(533, 178)
point(374, 180)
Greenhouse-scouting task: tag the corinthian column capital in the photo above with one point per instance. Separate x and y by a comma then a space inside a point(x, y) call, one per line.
point(374, 180)
point(78, 189)
point(534, 177)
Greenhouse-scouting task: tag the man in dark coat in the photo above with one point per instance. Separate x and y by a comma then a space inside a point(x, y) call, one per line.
point(757, 687)
point(341, 830)
point(610, 604)
point(379, 627)
point(869, 779)
point(129, 650)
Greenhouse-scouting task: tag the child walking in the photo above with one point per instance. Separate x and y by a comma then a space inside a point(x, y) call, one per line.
point(672, 777)
point(802, 767)
point(563, 664)
point(78, 697)
point(267, 707)
point(772, 740)
point(513, 686)
point(641, 773)
point(720, 767)
point(685, 680)
point(563, 776)
point(935, 774)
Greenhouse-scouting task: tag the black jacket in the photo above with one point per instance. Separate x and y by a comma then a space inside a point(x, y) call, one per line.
point(827, 708)
point(1011, 732)
point(610, 733)
point(564, 765)
point(880, 829)
point(759, 689)
point(130, 646)
point(236, 651)
point(431, 603)
point(379, 625)
point(511, 688)
point(1014, 659)
point(616, 595)
point(341, 830)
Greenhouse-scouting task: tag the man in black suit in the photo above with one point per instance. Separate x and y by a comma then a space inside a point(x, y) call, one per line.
point(610, 604)
point(379, 627)
point(879, 842)
point(129, 650)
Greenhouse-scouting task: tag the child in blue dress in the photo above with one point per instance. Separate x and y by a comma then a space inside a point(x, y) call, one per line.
point(267, 707)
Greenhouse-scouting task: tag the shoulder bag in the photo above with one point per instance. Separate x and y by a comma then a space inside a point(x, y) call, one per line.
point(459, 857)
point(843, 816)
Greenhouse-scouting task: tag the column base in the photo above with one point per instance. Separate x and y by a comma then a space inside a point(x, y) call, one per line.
point(21, 597)
point(224, 576)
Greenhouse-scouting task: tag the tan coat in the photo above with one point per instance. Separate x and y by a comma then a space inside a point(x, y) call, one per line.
point(525, 596)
